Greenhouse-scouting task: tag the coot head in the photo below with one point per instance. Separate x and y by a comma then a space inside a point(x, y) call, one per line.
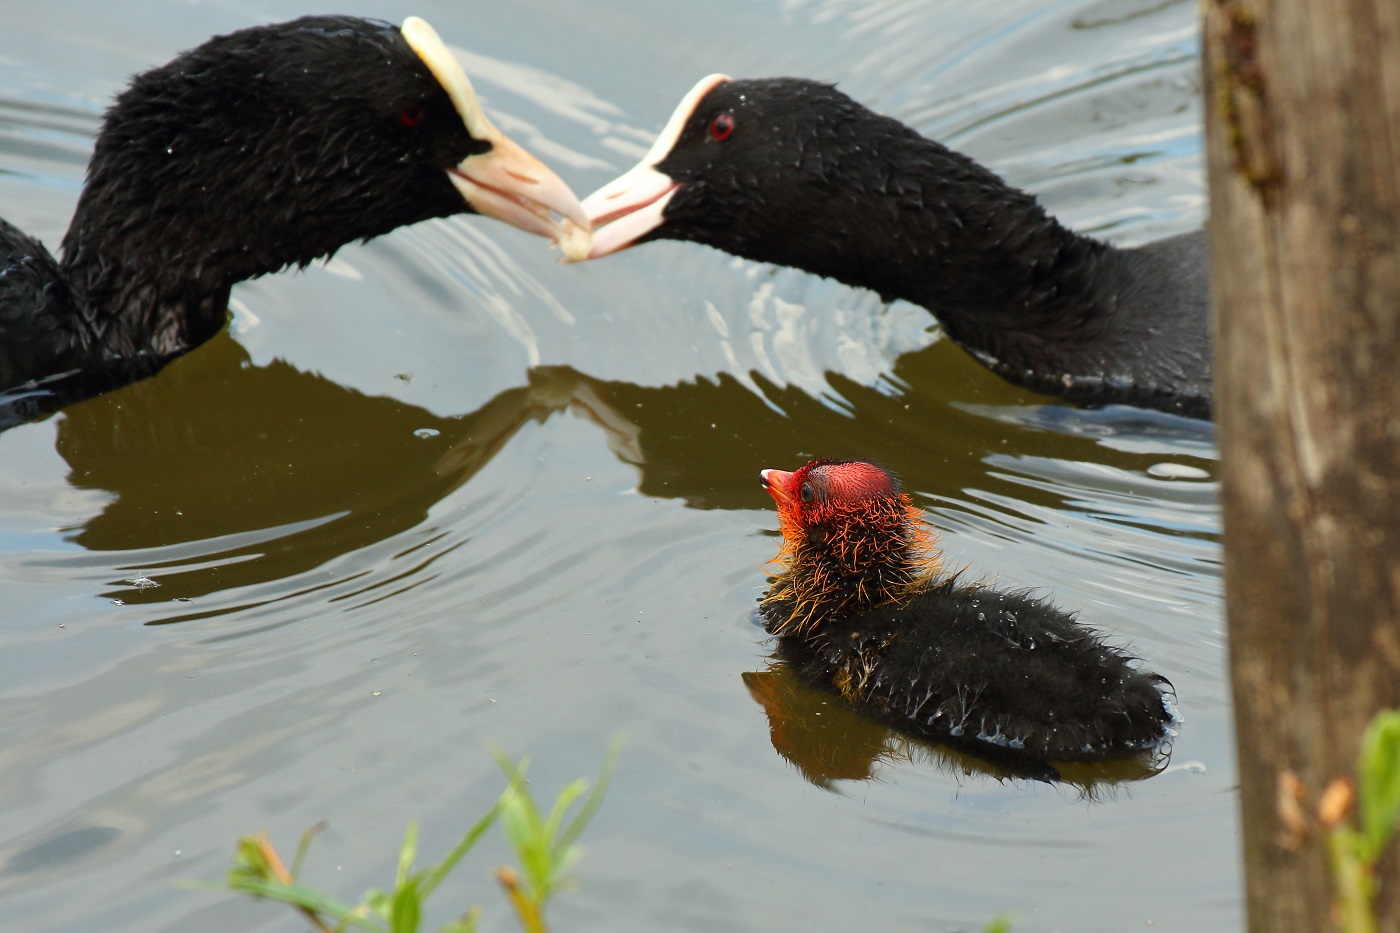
point(275, 145)
point(775, 169)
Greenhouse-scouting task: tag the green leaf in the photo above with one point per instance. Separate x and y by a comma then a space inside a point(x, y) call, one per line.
point(302, 846)
point(408, 908)
point(525, 831)
point(434, 876)
point(515, 773)
point(562, 803)
point(1379, 774)
point(1351, 875)
point(406, 853)
point(545, 847)
point(463, 924)
point(999, 924)
point(309, 899)
point(378, 903)
point(595, 798)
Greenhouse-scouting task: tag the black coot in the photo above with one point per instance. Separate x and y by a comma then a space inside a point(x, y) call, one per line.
point(794, 172)
point(266, 148)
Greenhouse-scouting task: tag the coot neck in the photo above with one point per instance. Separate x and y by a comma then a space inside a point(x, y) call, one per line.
point(917, 221)
point(146, 288)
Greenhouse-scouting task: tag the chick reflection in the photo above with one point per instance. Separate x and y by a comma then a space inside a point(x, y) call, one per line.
point(230, 475)
point(827, 741)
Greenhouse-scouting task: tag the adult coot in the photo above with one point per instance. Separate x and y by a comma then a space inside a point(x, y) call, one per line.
point(794, 172)
point(261, 149)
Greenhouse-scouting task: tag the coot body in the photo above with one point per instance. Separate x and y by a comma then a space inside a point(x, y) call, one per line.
point(794, 172)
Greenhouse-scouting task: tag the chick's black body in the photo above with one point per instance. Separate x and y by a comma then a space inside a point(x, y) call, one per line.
point(809, 178)
point(863, 608)
point(1002, 674)
point(269, 147)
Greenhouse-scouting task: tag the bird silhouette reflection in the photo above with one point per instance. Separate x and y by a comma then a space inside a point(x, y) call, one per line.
point(271, 472)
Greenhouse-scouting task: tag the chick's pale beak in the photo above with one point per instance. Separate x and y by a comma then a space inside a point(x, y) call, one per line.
point(776, 482)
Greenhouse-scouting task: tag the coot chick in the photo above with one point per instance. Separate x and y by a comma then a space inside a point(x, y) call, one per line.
point(265, 148)
point(794, 172)
point(862, 606)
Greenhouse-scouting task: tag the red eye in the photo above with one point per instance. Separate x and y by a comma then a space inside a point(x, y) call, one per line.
point(721, 126)
point(413, 115)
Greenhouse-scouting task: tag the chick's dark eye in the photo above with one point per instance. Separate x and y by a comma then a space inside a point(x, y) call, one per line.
point(413, 114)
point(807, 493)
point(721, 126)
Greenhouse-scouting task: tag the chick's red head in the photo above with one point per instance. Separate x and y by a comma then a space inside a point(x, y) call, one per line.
point(826, 491)
point(851, 539)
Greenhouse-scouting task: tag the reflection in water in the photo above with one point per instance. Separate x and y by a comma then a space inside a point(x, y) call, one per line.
point(227, 475)
point(705, 441)
point(60, 850)
point(827, 741)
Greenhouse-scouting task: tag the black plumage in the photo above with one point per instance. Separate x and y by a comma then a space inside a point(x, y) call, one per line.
point(794, 172)
point(975, 667)
point(265, 148)
point(863, 608)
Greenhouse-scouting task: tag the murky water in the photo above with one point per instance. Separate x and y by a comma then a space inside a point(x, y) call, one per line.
point(442, 491)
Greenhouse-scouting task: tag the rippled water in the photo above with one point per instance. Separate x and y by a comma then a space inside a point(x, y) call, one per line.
point(442, 491)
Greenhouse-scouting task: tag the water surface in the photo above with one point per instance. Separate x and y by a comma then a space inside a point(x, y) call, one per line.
point(441, 491)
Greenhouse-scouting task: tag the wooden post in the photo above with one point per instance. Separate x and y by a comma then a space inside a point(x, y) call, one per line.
point(1303, 131)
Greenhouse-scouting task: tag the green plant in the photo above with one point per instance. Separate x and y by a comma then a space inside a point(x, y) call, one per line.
point(1353, 851)
point(546, 848)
